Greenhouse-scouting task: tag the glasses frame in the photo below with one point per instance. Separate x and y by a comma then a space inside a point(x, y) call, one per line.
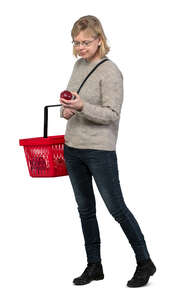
point(83, 43)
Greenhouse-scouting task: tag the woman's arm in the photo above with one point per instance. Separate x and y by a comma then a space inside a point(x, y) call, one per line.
point(112, 99)
point(61, 112)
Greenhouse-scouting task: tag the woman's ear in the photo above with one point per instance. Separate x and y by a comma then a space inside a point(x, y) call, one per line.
point(99, 44)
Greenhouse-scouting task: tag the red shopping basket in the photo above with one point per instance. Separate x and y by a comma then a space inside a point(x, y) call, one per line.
point(45, 155)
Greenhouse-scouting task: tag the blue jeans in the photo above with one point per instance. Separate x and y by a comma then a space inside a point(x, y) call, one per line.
point(81, 165)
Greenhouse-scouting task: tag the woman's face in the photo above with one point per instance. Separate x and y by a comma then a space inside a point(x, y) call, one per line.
point(90, 52)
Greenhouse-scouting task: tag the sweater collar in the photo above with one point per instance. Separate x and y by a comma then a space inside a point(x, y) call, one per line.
point(95, 62)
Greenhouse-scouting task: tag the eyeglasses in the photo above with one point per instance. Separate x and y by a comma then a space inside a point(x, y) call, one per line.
point(85, 43)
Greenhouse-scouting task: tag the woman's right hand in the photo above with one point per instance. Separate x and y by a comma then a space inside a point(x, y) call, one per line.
point(68, 112)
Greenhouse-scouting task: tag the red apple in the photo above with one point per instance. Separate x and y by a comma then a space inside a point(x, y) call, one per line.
point(66, 95)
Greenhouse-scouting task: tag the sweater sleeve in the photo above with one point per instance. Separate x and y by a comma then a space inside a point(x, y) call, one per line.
point(111, 100)
point(61, 112)
point(62, 108)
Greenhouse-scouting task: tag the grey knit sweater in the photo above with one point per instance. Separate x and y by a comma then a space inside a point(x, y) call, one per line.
point(96, 126)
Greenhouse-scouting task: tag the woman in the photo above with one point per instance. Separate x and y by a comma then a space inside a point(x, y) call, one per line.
point(90, 140)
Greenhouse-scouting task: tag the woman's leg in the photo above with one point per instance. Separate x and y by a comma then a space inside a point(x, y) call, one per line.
point(81, 180)
point(103, 166)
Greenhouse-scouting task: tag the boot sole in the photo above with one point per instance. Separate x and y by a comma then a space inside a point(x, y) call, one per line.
point(96, 278)
point(151, 274)
point(99, 277)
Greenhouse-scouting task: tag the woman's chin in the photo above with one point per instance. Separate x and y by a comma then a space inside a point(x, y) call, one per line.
point(83, 54)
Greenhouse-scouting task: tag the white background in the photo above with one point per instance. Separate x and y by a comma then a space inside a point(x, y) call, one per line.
point(42, 247)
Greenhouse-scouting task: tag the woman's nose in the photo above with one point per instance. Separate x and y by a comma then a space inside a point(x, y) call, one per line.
point(81, 46)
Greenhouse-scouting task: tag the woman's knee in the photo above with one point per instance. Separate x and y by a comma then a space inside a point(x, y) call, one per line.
point(120, 215)
point(87, 212)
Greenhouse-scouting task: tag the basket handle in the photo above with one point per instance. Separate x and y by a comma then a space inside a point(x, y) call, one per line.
point(46, 118)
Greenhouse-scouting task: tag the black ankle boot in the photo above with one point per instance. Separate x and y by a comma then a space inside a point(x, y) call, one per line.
point(94, 271)
point(142, 274)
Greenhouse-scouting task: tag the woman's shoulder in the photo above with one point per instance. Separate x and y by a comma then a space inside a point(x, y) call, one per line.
point(78, 61)
point(110, 67)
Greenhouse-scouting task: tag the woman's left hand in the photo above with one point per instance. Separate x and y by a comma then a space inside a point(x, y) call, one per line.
point(76, 104)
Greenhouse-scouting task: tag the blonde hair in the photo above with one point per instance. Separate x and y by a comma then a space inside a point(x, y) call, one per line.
point(93, 26)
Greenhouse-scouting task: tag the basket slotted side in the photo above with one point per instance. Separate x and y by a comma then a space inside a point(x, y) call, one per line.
point(45, 156)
